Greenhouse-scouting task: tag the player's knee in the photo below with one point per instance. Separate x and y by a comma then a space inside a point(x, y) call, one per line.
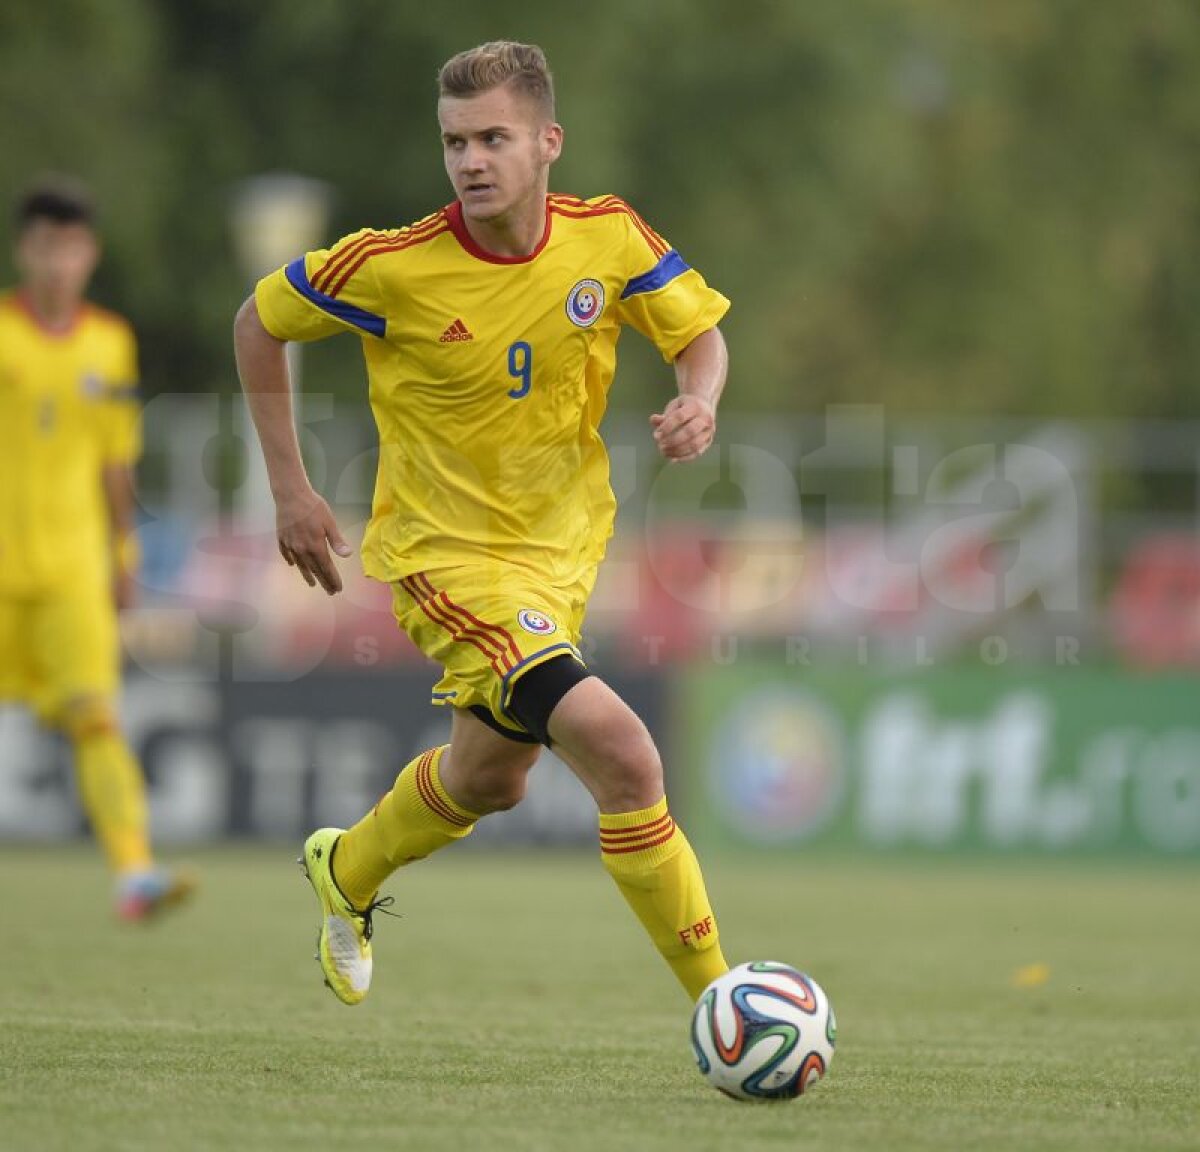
point(87, 716)
point(638, 762)
point(610, 749)
point(507, 795)
point(626, 742)
point(628, 760)
point(499, 791)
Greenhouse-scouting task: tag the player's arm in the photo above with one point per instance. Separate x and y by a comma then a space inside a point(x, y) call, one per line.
point(672, 306)
point(116, 479)
point(685, 428)
point(304, 523)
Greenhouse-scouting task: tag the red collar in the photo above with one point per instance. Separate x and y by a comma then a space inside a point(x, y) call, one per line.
point(454, 216)
point(54, 331)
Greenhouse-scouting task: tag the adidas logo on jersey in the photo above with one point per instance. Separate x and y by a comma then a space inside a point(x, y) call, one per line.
point(456, 332)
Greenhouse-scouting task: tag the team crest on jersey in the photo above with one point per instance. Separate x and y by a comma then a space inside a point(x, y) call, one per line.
point(91, 385)
point(536, 622)
point(585, 302)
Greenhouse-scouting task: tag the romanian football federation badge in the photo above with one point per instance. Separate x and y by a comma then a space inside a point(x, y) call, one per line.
point(536, 622)
point(585, 302)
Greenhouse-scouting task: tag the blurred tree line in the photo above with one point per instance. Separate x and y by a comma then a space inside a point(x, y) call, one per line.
point(933, 204)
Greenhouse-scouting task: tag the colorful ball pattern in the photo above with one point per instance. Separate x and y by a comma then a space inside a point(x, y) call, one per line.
point(763, 1031)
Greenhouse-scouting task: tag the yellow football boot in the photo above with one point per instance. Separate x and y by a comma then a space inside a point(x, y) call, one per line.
point(344, 942)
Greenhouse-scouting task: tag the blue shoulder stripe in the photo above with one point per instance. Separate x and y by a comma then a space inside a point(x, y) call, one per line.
point(670, 266)
point(359, 317)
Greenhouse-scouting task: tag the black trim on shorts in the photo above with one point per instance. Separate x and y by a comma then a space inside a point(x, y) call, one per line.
point(481, 713)
point(537, 693)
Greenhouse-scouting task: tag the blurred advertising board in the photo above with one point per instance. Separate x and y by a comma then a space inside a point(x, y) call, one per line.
point(258, 758)
point(956, 757)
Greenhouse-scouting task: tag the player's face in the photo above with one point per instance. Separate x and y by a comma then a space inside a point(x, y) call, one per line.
point(498, 148)
point(56, 261)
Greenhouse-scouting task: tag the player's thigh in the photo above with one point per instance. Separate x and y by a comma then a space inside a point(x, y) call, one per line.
point(606, 744)
point(75, 648)
point(483, 767)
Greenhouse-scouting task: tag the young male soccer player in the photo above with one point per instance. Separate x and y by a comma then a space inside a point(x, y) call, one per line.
point(69, 426)
point(489, 330)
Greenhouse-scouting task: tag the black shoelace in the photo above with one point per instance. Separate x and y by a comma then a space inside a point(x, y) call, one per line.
point(380, 905)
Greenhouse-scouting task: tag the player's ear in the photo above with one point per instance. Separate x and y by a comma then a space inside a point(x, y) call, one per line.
point(552, 142)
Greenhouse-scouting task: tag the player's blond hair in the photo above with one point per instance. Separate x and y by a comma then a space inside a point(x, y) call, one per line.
point(496, 63)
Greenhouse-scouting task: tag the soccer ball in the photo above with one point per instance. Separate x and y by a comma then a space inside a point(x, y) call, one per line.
point(763, 1031)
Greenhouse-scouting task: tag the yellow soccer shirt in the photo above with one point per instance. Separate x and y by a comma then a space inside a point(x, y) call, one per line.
point(67, 407)
point(489, 376)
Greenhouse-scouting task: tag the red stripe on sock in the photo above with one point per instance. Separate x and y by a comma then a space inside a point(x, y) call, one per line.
point(639, 847)
point(429, 794)
point(635, 830)
point(425, 786)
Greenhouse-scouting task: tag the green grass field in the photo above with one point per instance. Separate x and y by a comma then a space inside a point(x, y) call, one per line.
point(516, 1006)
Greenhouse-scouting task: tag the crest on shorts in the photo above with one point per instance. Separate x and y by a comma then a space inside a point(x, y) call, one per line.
point(585, 302)
point(536, 622)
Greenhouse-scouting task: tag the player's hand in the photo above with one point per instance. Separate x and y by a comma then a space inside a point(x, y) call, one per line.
point(306, 530)
point(685, 428)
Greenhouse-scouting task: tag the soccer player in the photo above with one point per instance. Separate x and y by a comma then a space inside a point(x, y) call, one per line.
point(70, 430)
point(489, 330)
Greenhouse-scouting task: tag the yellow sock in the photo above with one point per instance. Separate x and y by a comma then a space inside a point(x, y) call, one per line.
point(415, 818)
point(113, 794)
point(658, 874)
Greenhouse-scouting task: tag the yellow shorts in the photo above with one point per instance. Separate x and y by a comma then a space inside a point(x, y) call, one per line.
point(59, 647)
point(486, 629)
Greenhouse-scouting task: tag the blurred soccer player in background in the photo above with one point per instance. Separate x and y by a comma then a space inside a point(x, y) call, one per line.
point(490, 330)
point(69, 438)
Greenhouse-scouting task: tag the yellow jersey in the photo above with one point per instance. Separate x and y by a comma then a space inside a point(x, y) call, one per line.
point(67, 407)
point(489, 376)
